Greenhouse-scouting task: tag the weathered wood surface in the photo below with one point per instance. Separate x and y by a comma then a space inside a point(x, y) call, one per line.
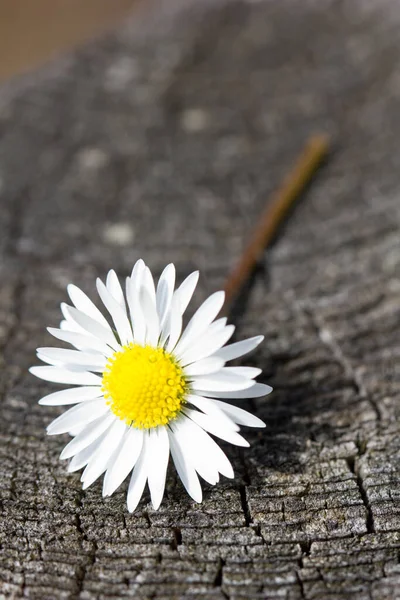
point(163, 141)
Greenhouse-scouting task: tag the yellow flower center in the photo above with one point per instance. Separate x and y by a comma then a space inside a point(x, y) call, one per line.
point(144, 386)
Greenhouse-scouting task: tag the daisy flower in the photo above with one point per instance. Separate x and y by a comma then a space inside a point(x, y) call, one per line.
point(145, 387)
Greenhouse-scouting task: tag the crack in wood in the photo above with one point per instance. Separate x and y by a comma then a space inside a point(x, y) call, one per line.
point(81, 570)
point(177, 539)
point(352, 463)
point(245, 506)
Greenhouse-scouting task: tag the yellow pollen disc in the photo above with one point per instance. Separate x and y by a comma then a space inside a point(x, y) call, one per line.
point(144, 386)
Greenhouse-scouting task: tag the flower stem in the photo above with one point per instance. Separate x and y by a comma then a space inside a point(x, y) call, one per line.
point(277, 209)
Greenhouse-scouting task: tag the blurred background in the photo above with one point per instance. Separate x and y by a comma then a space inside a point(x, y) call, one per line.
point(31, 32)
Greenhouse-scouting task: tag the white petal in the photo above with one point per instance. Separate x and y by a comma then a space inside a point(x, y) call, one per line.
point(220, 382)
point(200, 321)
point(69, 325)
point(135, 309)
point(157, 464)
point(123, 461)
point(212, 451)
point(93, 327)
point(255, 391)
point(185, 469)
point(77, 429)
point(118, 314)
point(64, 375)
point(150, 316)
point(188, 438)
point(216, 428)
point(249, 372)
point(73, 357)
point(101, 458)
point(207, 345)
point(82, 458)
point(83, 413)
point(83, 303)
point(217, 325)
point(240, 416)
point(74, 367)
point(209, 407)
point(138, 269)
point(178, 304)
point(204, 366)
point(165, 330)
point(139, 477)
point(148, 283)
point(239, 348)
point(129, 300)
point(114, 287)
point(81, 341)
point(175, 325)
point(71, 396)
point(165, 290)
point(52, 361)
point(133, 285)
point(88, 435)
point(185, 291)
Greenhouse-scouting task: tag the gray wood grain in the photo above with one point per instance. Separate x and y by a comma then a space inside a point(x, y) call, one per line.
point(163, 140)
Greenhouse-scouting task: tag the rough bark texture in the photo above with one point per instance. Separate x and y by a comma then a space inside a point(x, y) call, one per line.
point(163, 140)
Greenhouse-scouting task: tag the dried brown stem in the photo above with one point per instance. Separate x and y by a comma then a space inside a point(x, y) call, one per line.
point(276, 211)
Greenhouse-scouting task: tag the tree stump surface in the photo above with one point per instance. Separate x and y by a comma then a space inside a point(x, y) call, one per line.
point(163, 140)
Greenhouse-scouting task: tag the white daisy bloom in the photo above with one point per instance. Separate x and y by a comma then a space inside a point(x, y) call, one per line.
point(145, 387)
